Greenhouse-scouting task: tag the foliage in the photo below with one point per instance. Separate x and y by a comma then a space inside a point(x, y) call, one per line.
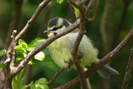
point(2, 52)
point(23, 48)
point(39, 84)
point(60, 1)
point(21, 51)
point(17, 80)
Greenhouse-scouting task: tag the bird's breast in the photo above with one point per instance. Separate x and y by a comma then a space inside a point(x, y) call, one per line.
point(60, 52)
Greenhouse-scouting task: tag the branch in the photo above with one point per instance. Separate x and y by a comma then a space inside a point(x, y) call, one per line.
point(57, 73)
point(28, 25)
point(45, 19)
point(77, 4)
point(33, 18)
point(90, 7)
point(15, 20)
point(74, 51)
point(39, 34)
point(55, 76)
point(43, 46)
point(102, 62)
point(128, 71)
point(70, 13)
point(9, 69)
point(121, 20)
point(13, 51)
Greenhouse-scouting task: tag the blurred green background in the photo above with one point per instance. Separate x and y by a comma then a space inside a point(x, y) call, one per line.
point(47, 68)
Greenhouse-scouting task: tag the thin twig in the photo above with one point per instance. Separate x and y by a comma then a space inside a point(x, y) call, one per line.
point(13, 51)
point(76, 45)
point(32, 19)
point(57, 73)
point(121, 20)
point(77, 4)
point(15, 20)
point(10, 70)
point(45, 19)
point(70, 13)
point(29, 23)
point(55, 76)
point(102, 62)
point(39, 34)
point(128, 71)
point(90, 5)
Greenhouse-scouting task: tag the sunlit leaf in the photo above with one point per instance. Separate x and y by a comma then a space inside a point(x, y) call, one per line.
point(60, 1)
point(42, 81)
point(40, 56)
point(23, 44)
point(30, 62)
point(20, 52)
point(41, 84)
point(26, 86)
point(2, 52)
point(30, 48)
point(18, 79)
point(20, 49)
point(76, 12)
point(36, 42)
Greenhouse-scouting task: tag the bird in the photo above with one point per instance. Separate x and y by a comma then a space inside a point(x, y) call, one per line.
point(60, 49)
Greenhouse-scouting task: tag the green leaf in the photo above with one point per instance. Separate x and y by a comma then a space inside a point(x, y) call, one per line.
point(30, 62)
point(36, 42)
point(26, 86)
point(30, 48)
point(20, 49)
point(42, 81)
point(2, 52)
point(41, 84)
point(39, 56)
point(23, 44)
point(1, 66)
point(18, 80)
point(60, 1)
point(20, 52)
point(76, 12)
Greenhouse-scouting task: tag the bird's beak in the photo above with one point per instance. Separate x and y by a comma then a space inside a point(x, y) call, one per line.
point(47, 31)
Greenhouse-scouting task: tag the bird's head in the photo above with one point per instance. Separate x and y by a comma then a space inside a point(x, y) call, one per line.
point(55, 25)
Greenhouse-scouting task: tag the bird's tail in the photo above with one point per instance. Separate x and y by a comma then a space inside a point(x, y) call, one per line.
point(106, 71)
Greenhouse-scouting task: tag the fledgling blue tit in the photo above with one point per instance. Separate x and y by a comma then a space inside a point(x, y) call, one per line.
point(60, 49)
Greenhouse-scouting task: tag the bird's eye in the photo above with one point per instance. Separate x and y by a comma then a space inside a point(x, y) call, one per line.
point(56, 28)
